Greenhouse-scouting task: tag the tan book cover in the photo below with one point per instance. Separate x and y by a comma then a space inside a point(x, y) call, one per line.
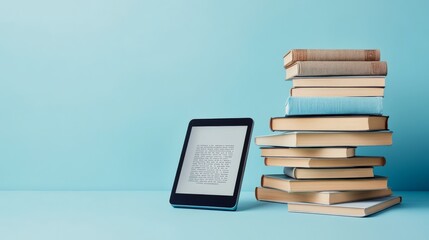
point(330, 123)
point(326, 139)
point(328, 173)
point(331, 152)
point(339, 81)
point(288, 184)
point(306, 162)
point(336, 68)
point(334, 197)
point(350, 209)
point(337, 92)
point(295, 55)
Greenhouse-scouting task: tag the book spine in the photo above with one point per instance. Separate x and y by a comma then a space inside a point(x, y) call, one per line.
point(271, 124)
point(257, 193)
point(334, 55)
point(342, 68)
point(334, 106)
point(289, 171)
point(387, 122)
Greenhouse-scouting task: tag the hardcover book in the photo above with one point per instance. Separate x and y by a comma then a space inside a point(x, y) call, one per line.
point(329, 123)
point(278, 196)
point(326, 139)
point(334, 106)
point(328, 173)
point(337, 92)
point(336, 68)
point(339, 81)
point(330, 55)
point(288, 184)
point(324, 152)
point(305, 162)
point(351, 209)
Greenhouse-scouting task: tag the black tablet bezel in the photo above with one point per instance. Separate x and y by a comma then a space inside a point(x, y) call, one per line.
point(213, 201)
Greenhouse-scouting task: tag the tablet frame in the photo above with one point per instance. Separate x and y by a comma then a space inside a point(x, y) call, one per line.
point(219, 202)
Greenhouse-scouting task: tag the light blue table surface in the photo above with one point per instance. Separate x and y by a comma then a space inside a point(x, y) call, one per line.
point(147, 215)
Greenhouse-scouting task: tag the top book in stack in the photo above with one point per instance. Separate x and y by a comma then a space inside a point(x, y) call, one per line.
point(313, 62)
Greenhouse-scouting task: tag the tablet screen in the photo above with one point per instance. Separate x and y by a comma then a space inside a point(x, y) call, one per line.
point(212, 160)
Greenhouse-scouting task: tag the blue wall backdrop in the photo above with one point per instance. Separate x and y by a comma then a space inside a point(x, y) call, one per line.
point(98, 94)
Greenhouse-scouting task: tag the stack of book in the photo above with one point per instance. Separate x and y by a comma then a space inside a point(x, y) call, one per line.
point(335, 105)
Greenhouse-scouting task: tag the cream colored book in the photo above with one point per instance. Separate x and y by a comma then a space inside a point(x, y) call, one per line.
point(351, 209)
point(324, 152)
point(330, 123)
point(278, 196)
point(326, 139)
point(295, 55)
point(339, 81)
point(306, 162)
point(328, 173)
point(288, 184)
point(337, 92)
point(336, 68)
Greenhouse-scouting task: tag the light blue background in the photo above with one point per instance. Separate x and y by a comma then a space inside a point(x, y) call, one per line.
point(113, 215)
point(97, 94)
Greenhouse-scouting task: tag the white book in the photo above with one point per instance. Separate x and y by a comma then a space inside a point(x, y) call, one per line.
point(352, 209)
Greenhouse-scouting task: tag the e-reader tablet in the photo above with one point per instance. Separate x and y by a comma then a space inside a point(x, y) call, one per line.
point(212, 163)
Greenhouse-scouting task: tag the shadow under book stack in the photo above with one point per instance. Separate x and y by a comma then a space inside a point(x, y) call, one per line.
point(335, 105)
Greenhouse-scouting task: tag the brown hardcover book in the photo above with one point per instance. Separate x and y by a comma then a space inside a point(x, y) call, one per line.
point(328, 173)
point(330, 55)
point(339, 152)
point(351, 209)
point(336, 68)
point(329, 123)
point(288, 184)
point(303, 162)
point(347, 81)
point(326, 139)
point(278, 196)
point(337, 92)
